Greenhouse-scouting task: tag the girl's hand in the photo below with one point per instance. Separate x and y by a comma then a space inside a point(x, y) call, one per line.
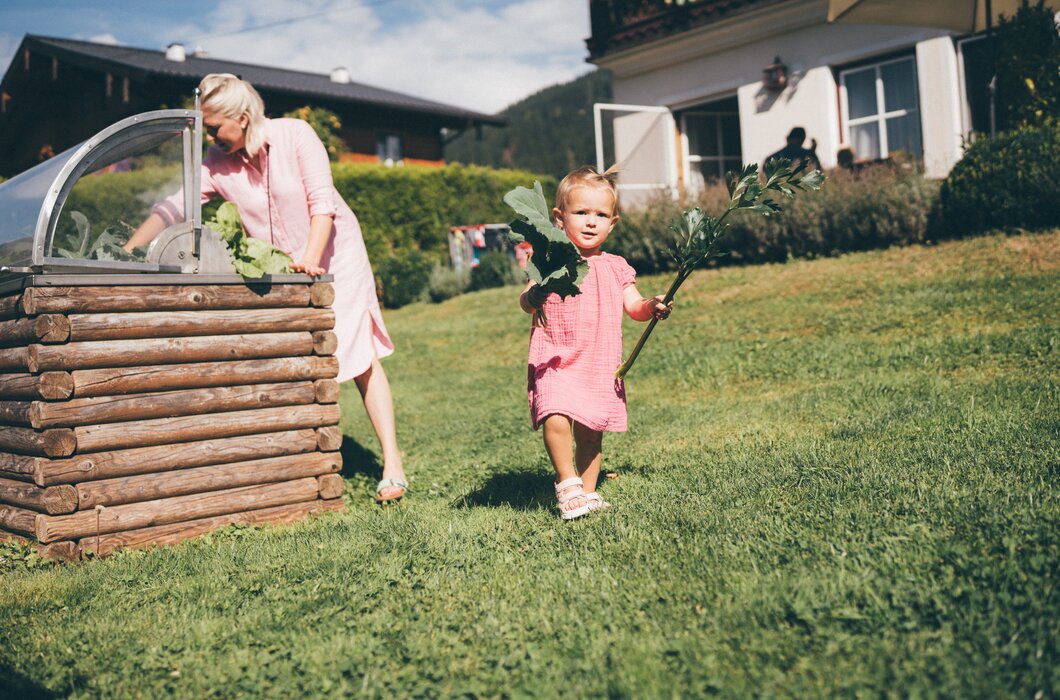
point(308, 267)
point(536, 296)
point(660, 310)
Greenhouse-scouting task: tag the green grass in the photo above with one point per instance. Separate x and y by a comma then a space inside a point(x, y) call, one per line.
point(840, 480)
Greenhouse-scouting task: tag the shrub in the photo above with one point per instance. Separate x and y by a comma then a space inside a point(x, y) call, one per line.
point(878, 207)
point(495, 269)
point(402, 278)
point(1006, 182)
point(445, 283)
point(326, 124)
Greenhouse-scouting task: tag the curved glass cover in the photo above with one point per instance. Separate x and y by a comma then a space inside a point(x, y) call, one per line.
point(77, 209)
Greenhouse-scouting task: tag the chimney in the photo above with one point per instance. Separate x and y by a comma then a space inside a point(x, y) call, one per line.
point(175, 53)
point(340, 75)
point(199, 52)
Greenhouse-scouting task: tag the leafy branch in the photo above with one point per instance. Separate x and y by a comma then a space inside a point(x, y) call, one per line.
point(700, 232)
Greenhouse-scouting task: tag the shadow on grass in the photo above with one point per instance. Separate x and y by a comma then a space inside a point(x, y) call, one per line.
point(357, 460)
point(520, 490)
point(16, 685)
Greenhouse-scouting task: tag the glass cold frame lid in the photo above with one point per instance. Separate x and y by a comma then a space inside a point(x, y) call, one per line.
point(81, 206)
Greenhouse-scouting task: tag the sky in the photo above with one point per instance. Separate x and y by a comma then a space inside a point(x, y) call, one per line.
point(477, 54)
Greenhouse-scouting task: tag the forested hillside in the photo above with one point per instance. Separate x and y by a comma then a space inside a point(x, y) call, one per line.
point(550, 132)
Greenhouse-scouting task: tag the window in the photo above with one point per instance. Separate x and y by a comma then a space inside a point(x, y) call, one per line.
point(712, 138)
point(388, 148)
point(881, 109)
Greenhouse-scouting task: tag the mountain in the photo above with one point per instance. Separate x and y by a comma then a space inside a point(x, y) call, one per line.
point(550, 132)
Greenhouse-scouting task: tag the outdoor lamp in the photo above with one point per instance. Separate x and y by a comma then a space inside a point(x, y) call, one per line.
point(775, 75)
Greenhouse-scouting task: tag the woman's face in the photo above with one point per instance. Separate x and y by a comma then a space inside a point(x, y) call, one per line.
point(228, 134)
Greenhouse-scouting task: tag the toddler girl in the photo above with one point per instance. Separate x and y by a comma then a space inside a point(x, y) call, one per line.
point(572, 387)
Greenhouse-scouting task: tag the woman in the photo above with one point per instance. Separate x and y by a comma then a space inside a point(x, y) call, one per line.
point(277, 173)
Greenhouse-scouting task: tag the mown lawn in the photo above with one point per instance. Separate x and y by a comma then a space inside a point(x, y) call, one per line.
point(840, 480)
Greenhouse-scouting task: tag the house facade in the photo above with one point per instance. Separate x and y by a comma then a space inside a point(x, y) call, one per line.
point(702, 86)
point(58, 92)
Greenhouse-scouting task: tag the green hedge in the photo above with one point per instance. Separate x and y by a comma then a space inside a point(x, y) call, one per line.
point(1006, 182)
point(413, 207)
point(878, 207)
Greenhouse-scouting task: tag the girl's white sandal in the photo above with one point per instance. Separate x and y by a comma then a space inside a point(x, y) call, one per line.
point(595, 501)
point(567, 490)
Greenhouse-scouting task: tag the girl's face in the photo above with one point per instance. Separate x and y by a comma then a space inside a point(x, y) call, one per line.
point(229, 134)
point(587, 218)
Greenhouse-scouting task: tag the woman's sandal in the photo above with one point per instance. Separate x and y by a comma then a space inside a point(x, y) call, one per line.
point(566, 491)
point(595, 501)
point(390, 483)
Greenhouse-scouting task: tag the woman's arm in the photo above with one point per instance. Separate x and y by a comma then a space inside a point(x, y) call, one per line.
point(320, 227)
point(640, 308)
point(315, 170)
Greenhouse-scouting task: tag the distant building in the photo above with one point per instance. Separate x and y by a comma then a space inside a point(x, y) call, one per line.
point(705, 85)
point(59, 92)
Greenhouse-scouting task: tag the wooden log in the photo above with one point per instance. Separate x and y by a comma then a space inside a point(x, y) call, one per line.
point(48, 328)
point(132, 516)
point(46, 443)
point(178, 324)
point(23, 467)
point(165, 404)
point(50, 386)
point(133, 380)
point(148, 487)
point(321, 294)
point(67, 551)
point(39, 300)
point(161, 351)
point(9, 306)
point(178, 532)
point(163, 458)
point(14, 359)
point(24, 522)
point(329, 438)
point(162, 431)
point(330, 485)
point(325, 342)
point(53, 500)
point(326, 391)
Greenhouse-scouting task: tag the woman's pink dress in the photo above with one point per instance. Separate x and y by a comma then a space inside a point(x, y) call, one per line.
point(574, 357)
point(276, 203)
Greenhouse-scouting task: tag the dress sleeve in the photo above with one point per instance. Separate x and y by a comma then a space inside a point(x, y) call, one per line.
point(315, 168)
point(626, 274)
point(171, 209)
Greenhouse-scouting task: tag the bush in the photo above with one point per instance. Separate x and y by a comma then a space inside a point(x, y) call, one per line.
point(402, 278)
point(495, 269)
point(880, 206)
point(1006, 182)
point(326, 124)
point(445, 283)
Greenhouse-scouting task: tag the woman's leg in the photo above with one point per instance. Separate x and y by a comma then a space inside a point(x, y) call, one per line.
point(588, 454)
point(379, 403)
point(556, 431)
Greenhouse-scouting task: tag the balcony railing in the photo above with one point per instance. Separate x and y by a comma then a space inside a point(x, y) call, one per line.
point(622, 24)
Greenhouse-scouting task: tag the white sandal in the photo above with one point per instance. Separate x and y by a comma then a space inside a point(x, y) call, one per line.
point(566, 491)
point(595, 501)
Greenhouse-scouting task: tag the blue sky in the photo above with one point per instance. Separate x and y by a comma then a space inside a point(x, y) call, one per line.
point(479, 54)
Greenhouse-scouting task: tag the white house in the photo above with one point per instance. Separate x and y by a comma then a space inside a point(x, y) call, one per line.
point(701, 86)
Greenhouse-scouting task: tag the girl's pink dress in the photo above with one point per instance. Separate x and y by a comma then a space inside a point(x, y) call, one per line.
point(573, 359)
point(275, 204)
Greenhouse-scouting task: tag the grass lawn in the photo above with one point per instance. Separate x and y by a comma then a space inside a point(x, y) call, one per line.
point(840, 480)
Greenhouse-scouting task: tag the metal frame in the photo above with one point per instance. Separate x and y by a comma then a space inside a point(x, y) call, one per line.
point(670, 154)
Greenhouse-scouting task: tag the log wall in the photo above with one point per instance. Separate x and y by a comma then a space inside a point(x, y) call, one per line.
point(135, 416)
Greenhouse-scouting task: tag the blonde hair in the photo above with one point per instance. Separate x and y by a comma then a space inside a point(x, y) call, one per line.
point(229, 96)
point(587, 176)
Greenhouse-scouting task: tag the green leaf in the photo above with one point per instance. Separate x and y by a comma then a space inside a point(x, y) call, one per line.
point(555, 262)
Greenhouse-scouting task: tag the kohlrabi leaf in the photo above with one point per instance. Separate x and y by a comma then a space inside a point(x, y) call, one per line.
point(555, 262)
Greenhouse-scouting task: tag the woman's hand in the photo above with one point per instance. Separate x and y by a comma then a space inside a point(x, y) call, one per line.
point(308, 267)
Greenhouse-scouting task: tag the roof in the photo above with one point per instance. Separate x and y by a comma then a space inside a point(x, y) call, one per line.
point(146, 63)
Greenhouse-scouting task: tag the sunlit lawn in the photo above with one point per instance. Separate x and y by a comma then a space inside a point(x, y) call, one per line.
point(840, 480)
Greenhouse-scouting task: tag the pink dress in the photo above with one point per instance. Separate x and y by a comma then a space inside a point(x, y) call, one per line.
point(573, 359)
point(276, 203)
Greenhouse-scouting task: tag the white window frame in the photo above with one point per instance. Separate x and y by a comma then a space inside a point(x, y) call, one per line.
point(723, 154)
point(881, 117)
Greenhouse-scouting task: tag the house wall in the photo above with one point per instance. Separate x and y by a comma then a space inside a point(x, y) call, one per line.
point(728, 57)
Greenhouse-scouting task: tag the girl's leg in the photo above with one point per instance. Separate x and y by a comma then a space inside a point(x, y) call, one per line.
point(379, 403)
point(588, 454)
point(556, 431)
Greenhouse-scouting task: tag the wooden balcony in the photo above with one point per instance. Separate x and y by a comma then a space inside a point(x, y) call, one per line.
point(623, 24)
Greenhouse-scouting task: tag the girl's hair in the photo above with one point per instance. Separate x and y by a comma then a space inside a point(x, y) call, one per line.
point(229, 96)
point(587, 176)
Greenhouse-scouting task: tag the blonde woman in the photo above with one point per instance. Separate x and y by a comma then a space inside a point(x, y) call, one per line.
point(277, 172)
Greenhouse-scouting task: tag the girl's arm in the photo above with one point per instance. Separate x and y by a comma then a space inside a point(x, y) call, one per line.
point(639, 308)
point(532, 298)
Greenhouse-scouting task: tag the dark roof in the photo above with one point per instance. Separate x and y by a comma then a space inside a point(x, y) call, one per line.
point(147, 62)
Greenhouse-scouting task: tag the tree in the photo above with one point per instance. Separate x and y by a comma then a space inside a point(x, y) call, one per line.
point(1028, 53)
